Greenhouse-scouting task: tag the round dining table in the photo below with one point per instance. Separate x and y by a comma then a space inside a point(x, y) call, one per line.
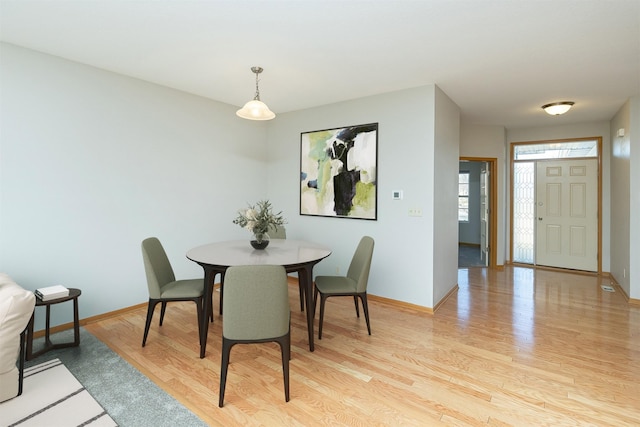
point(294, 255)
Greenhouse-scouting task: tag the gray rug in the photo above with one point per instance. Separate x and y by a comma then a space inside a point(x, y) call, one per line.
point(469, 256)
point(52, 396)
point(129, 397)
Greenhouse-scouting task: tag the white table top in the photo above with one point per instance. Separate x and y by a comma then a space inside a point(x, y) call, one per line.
point(239, 252)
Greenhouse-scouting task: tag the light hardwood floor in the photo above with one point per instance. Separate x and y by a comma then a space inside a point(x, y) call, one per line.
point(518, 347)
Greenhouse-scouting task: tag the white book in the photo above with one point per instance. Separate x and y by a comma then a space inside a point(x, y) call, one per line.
point(52, 292)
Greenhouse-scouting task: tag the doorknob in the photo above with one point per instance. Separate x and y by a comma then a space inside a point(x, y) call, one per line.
point(539, 218)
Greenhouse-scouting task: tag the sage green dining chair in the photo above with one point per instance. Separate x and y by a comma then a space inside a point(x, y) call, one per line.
point(274, 233)
point(277, 232)
point(353, 284)
point(281, 233)
point(163, 286)
point(256, 310)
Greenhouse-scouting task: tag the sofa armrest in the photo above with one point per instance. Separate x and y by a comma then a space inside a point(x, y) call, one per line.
point(16, 309)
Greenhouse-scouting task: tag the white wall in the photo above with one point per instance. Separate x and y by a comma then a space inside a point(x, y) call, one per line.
point(92, 162)
point(620, 198)
point(625, 198)
point(581, 130)
point(445, 196)
point(489, 142)
point(634, 177)
point(403, 260)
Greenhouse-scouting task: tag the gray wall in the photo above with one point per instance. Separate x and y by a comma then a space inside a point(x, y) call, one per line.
point(625, 197)
point(403, 265)
point(445, 197)
point(92, 162)
point(634, 212)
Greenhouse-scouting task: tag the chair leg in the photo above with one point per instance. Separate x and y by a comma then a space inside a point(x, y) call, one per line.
point(302, 294)
point(200, 310)
point(285, 349)
point(151, 307)
point(210, 303)
point(323, 298)
point(162, 310)
point(365, 308)
point(355, 300)
point(22, 356)
point(224, 367)
point(289, 335)
point(221, 291)
point(210, 308)
point(315, 300)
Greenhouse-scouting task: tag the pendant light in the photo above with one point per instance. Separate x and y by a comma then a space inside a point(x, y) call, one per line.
point(557, 108)
point(256, 109)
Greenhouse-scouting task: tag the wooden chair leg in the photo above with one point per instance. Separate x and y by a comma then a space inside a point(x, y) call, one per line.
point(221, 292)
point(323, 298)
point(211, 308)
point(224, 367)
point(365, 308)
point(285, 349)
point(302, 295)
point(200, 310)
point(151, 307)
point(162, 310)
point(315, 300)
point(22, 356)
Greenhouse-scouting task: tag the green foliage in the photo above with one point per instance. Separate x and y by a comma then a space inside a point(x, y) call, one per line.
point(258, 218)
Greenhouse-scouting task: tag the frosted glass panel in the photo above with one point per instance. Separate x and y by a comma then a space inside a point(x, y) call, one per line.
point(523, 212)
point(556, 150)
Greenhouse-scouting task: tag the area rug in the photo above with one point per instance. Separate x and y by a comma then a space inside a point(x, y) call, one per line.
point(130, 398)
point(52, 396)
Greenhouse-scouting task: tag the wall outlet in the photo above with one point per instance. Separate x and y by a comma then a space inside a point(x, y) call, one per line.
point(415, 212)
point(624, 273)
point(337, 270)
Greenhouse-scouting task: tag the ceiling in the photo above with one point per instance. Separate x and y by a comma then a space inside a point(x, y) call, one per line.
point(498, 60)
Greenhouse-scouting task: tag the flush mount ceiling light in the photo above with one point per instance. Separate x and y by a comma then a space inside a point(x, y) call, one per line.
point(256, 109)
point(557, 108)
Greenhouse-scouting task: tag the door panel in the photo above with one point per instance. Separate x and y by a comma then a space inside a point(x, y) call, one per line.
point(578, 241)
point(484, 214)
point(554, 200)
point(567, 212)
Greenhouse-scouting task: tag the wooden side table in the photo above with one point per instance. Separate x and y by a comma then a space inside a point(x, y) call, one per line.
point(48, 345)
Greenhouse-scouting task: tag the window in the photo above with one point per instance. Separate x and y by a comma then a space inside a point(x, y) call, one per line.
point(556, 150)
point(463, 197)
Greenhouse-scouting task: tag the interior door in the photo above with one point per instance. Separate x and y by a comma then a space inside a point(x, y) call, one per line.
point(567, 214)
point(484, 214)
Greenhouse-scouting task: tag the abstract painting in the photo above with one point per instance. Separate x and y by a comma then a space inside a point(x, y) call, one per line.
point(338, 169)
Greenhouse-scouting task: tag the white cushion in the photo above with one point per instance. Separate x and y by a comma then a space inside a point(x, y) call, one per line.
point(16, 308)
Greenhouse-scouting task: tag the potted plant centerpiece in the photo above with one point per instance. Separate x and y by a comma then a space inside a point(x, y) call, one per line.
point(258, 219)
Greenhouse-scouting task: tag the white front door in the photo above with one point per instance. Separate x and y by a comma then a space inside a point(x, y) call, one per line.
point(484, 214)
point(567, 214)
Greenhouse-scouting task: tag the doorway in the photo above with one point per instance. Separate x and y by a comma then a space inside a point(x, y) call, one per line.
point(477, 201)
point(556, 203)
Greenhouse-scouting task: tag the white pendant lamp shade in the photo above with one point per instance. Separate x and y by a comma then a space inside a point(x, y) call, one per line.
point(256, 109)
point(557, 108)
